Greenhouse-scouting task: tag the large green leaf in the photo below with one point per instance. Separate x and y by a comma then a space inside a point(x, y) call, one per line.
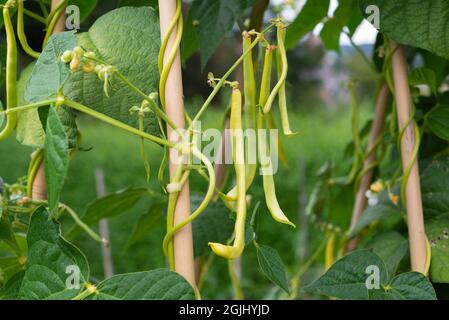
point(272, 266)
point(49, 262)
point(129, 39)
point(213, 225)
point(310, 15)
point(41, 81)
point(418, 23)
point(159, 284)
point(438, 234)
point(437, 120)
point(214, 19)
point(50, 73)
point(435, 188)
point(375, 213)
point(110, 206)
point(10, 290)
point(346, 279)
point(147, 223)
point(391, 247)
point(349, 276)
point(330, 35)
point(56, 158)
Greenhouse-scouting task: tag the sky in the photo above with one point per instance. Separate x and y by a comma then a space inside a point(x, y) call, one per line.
point(365, 34)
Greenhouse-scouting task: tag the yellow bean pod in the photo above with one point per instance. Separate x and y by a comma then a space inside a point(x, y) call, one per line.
point(330, 248)
point(11, 75)
point(250, 116)
point(282, 67)
point(268, 180)
point(238, 155)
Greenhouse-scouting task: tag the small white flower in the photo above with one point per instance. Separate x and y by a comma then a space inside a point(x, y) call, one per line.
point(373, 198)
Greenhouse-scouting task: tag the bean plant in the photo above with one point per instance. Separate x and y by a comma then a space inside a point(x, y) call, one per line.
point(116, 72)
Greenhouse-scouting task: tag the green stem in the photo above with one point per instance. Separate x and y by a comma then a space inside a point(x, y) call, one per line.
point(54, 18)
point(153, 105)
point(207, 198)
point(238, 292)
point(29, 106)
point(223, 80)
point(116, 123)
point(35, 16)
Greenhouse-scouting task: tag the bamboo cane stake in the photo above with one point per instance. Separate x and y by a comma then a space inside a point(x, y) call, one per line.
point(183, 243)
point(39, 190)
point(106, 251)
point(366, 180)
point(415, 218)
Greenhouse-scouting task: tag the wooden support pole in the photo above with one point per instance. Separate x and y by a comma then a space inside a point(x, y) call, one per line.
point(106, 251)
point(415, 218)
point(183, 243)
point(39, 189)
point(366, 180)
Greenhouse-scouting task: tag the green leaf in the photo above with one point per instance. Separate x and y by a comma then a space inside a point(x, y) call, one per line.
point(50, 73)
point(421, 24)
point(215, 19)
point(311, 14)
point(435, 188)
point(410, 286)
point(437, 121)
point(41, 81)
point(49, 262)
point(213, 225)
point(391, 247)
point(10, 290)
point(272, 266)
point(147, 223)
point(129, 39)
point(437, 231)
point(189, 38)
point(110, 206)
point(56, 159)
point(347, 278)
point(137, 3)
point(346, 15)
point(159, 284)
point(330, 35)
point(425, 76)
point(376, 213)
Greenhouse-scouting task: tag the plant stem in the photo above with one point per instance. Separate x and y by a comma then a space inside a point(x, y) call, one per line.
point(35, 16)
point(153, 106)
point(116, 123)
point(223, 80)
point(238, 293)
